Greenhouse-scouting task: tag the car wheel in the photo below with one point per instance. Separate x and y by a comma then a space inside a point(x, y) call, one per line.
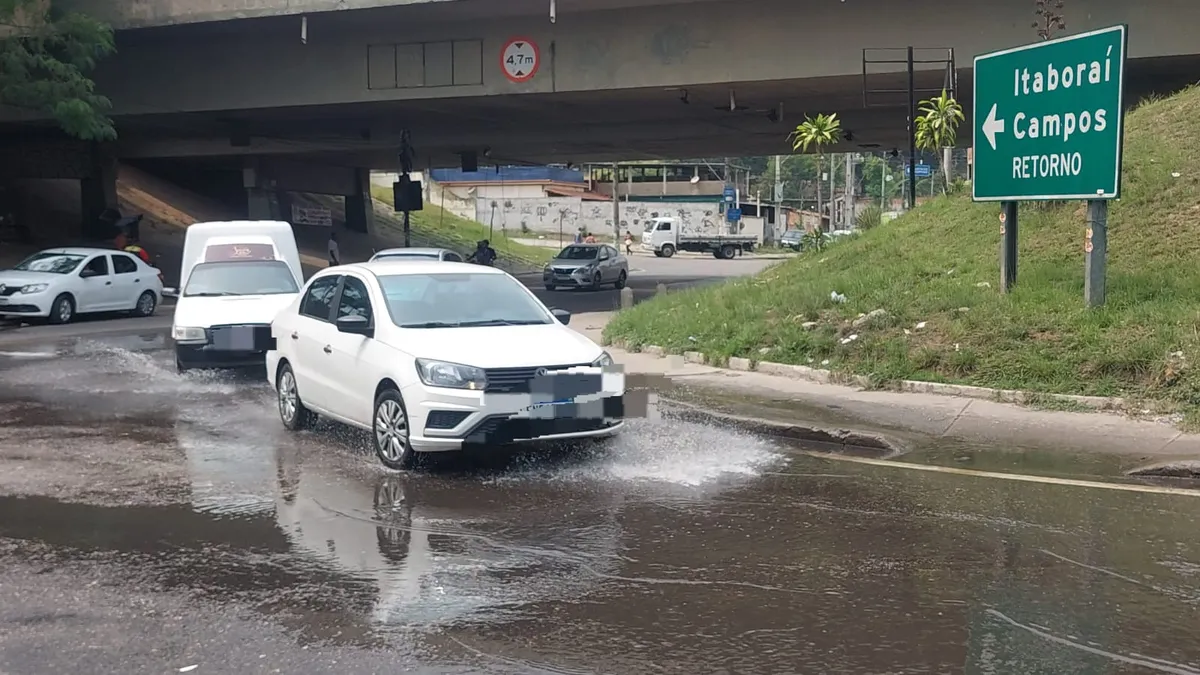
point(550, 287)
point(668, 250)
point(621, 278)
point(63, 309)
point(145, 304)
point(597, 280)
point(390, 432)
point(292, 412)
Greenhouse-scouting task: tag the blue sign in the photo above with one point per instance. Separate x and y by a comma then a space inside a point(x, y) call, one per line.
point(733, 215)
point(924, 171)
point(729, 195)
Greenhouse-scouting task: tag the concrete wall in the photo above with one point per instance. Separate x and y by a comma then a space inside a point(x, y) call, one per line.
point(542, 215)
point(621, 49)
point(502, 191)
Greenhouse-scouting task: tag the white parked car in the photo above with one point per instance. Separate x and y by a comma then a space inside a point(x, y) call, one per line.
point(411, 254)
point(57, 284)
point(431, 357)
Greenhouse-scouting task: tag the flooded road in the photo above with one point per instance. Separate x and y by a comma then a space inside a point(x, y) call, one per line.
point(150, 522)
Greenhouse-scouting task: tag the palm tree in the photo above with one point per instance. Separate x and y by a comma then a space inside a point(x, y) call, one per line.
point(937, 127)
point(818, 131)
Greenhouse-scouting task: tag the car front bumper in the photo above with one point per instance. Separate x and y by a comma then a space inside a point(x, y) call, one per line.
point(578, 278)
point(216, 356)
point(26, 304)
point(449, 419)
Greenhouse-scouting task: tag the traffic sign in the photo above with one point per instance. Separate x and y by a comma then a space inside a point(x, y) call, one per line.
point(729, 194)
point(733, 215)
point(923, 171)
point(1049, 119)
point(520, 59)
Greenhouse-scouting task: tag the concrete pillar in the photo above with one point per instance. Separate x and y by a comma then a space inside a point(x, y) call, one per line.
point(258, 204)
point(360, 212)
point(98, 192)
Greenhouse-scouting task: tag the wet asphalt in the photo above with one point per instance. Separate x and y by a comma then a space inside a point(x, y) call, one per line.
point(151, 522)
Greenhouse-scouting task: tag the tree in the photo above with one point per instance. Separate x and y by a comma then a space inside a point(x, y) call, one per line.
point(818, 131)
point(937, 126)
point(1049, 18)
point(45, 58)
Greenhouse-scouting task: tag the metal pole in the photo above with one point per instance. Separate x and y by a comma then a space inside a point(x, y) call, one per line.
point(1096, 249)
point(1008, 246)
point(778, 232)
point(912, 133)
point(883, 174)
point(832, 194)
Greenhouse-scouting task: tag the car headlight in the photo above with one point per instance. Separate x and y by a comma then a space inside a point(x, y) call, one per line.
point(451, 375)
point(603, 361)
point(34, 288)
point(189, 334)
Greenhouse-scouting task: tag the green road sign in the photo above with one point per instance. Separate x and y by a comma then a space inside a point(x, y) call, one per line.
point(1049, 118)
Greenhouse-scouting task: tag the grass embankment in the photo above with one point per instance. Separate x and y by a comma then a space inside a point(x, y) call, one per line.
point(434, 226)
point(939, 265)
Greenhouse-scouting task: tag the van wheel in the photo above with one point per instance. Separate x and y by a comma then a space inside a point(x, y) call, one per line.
point(668, 250)
point(292, 412)
point(390, 431)
point(63, 309)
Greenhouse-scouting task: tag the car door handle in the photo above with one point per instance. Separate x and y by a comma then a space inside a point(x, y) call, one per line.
point(327, 349)
point(137, 281)
point(108, 283)
point(295, 335)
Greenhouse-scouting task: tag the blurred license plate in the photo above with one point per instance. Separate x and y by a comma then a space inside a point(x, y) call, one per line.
point(234, 338)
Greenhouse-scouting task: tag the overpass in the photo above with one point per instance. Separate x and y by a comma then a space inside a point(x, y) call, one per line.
point(333, 82)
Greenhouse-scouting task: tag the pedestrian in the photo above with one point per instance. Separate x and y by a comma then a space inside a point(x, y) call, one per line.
point(334, 254)
point(579, 236)
point(483, 254)
point(628, 243)
point(589, 239)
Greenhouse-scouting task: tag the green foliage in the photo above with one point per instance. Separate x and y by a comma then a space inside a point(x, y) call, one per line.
point(934, 272)
point(45, 58)
point(869, 218)
point(937, 125)
point(817, 132)
point(814, 240)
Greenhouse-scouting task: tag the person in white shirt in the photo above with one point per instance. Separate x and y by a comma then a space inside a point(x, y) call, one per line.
point(334, 257)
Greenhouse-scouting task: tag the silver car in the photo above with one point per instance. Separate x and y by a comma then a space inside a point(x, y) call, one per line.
point(443, 254)
point(586, 266)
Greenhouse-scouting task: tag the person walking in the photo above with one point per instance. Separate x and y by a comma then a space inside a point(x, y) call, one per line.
point(628, 243)
point(334, 253)
point(483, 254)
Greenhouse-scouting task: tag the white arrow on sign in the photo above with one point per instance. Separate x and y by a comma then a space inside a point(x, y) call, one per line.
point(992, 126)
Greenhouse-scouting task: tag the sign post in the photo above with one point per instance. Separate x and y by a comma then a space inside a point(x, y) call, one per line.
point(1049, 125)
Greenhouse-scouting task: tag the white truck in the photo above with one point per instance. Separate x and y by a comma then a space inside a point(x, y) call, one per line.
point(664, 236)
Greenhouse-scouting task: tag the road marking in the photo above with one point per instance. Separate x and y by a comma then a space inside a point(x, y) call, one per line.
point(1025, 478)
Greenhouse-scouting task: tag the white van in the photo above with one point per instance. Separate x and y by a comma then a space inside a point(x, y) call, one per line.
point(234, 279)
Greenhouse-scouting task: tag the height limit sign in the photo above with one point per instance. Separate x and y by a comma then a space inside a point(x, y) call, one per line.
point(520, 59)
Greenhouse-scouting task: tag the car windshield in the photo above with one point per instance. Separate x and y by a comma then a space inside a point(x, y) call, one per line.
point(54, 263)
point(259, 277)
point(460, 300)
point(578, 253)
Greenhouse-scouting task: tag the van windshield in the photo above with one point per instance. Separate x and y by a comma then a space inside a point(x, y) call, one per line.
point(257, 277)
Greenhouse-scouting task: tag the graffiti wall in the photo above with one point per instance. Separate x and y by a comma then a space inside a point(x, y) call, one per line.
point(544, 215)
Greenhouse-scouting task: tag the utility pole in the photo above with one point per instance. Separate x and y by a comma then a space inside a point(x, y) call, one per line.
point(832, 193)
point(912, 132)
point(616, 205)
point(848, 206)
point(779, 196)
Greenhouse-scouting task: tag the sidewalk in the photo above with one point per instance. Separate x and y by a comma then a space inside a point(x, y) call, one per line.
point(911, 420)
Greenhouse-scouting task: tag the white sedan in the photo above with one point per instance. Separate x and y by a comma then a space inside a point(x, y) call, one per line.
point(431, 357)
point(57, 284)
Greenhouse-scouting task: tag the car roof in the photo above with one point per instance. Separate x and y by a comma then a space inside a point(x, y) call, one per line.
point(413, 251)
point(385, 268)
point(80, 250)
point(597, 244)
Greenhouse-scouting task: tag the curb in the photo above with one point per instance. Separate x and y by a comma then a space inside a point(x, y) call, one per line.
point(840, 441)
point(822, 376)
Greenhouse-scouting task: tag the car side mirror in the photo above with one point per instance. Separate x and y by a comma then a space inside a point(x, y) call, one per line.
point(88, 273)
point(358, 325)
point(563, 316)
